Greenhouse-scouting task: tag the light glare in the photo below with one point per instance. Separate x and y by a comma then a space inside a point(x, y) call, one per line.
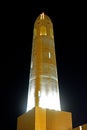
point(80, 127)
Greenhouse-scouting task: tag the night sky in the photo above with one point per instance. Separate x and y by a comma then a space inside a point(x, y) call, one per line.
point(70, 34)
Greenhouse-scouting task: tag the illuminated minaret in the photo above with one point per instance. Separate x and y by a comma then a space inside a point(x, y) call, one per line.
point(43, 81)
point(43, 105)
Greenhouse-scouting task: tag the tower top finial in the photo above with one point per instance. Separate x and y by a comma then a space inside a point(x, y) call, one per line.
point(42, 15)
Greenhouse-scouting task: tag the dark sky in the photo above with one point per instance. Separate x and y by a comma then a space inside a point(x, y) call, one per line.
point(70, 33)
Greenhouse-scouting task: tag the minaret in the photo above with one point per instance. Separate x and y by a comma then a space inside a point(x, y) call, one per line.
point(43, 105)
point(43, 81)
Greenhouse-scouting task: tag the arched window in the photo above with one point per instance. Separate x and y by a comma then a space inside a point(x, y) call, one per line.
point(49, 54)
point(43, 30)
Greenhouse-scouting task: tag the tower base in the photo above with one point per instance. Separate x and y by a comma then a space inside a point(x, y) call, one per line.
point(44, 119)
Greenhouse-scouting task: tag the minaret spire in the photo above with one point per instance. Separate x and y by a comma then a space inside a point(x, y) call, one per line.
point(43, 94)
point(43, 80)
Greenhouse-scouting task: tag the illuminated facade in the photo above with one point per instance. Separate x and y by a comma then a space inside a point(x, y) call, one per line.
point(43, 105)
point(43, 82)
